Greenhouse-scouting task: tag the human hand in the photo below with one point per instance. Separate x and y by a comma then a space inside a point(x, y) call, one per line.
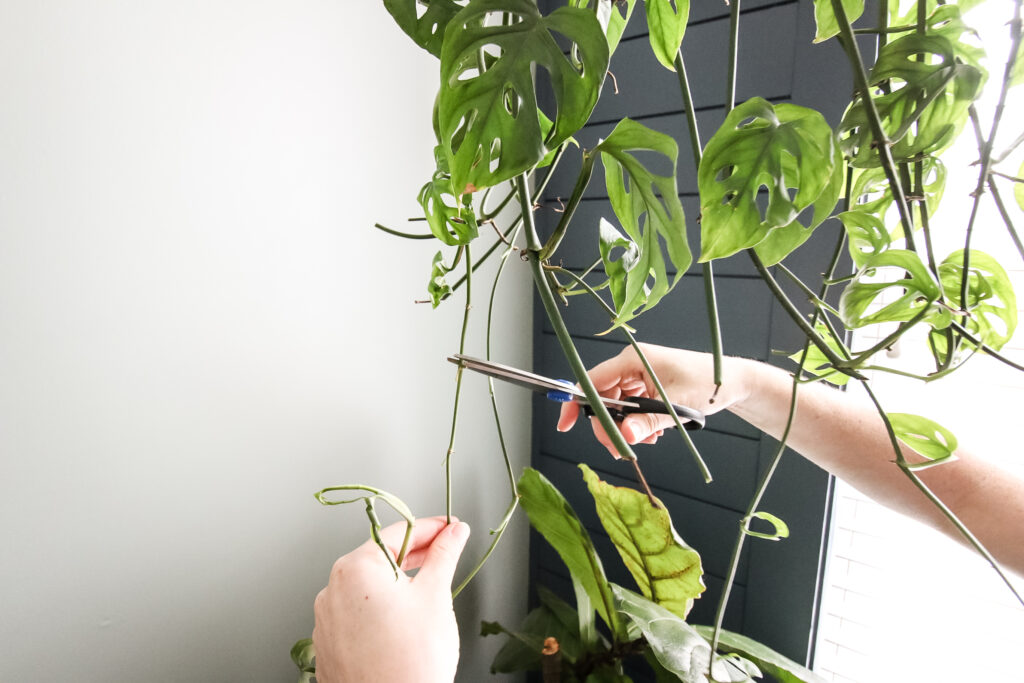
point(371, 626)
point(688, 379)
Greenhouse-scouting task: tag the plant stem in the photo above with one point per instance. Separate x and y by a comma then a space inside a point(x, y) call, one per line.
point(1006, 217)
point(734, 39)
point(966, 334)
point(650, 371)
point(458, 391)
point(406, 235)
point(561, 332)
point(582, 181)
point(498, 533)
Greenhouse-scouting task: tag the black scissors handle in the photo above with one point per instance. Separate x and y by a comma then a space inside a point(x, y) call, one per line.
point(651, 405)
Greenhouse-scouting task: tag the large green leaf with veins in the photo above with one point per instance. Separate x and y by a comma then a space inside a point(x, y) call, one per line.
point(779, 148)
point(991, 302)
point(916, 289)
point(930, 91)
point(554, 519)
point(666, 24)
point(426, 28)
point(678, 646)
point(825, 17)
point(667, 570)
point(648, 208)
point(488, 122)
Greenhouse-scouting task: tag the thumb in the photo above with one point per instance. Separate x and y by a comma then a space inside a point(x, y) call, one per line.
point(639, 426)
point(443, 555)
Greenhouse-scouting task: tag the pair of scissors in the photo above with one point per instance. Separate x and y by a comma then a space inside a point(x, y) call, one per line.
point(562, 391)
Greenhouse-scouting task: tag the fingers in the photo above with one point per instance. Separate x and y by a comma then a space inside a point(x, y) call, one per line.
point(423, 534)
point(567, 416)
point(443, 555)
point(642, 427)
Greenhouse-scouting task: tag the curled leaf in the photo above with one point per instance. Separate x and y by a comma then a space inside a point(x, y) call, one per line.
point(781, 528)
point(991, 303)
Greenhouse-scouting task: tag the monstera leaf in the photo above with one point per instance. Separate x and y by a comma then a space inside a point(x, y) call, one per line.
point(649, 211)
point(991, 302)
point(817, 363)
point(488, 121)
point(613, 16)
point(825, 17)
point(449, 220)
point(866, 235)
point(426, 29)
point(778, 148)
point(666, 24)
point(925, 436)
point(917, 290)
point(552, 516)
point(783, 241)
point(871, 192)
point(667, 570)
point(925, 110)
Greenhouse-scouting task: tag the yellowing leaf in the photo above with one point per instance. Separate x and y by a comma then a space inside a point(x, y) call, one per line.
point(667, 570)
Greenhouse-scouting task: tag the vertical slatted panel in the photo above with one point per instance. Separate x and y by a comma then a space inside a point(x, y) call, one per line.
point(775, 595)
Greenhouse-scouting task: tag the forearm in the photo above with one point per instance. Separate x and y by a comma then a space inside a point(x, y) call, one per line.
point(845, 435)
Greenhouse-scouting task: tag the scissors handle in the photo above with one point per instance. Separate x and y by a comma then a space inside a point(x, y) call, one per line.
point(652, 405)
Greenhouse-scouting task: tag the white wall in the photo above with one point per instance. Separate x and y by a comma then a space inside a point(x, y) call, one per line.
point(199, 329)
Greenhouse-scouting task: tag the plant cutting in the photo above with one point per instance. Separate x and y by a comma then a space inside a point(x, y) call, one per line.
point(771, 175)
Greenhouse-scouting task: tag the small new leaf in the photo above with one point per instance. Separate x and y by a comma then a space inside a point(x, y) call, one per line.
point(666, 24)
point(928, 438)
point(915, 286)
point(817, 363)
point(783, 149)
point(781, 528)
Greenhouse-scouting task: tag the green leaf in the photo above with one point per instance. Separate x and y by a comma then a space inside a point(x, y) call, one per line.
point(613, 16)
point(928, 438)
point(781, 528)
point(817, 363)
point(783, 241)
point(919, 290)
point(678, 647)
point(488, 122)
point(449, 220)
point(649, 211)
point(991, 302)
point(760, 145)
point(1018, 188)
point(303, 654)
point(927, 105)
point(782, 669)
point(552, 516)
point(666, 24)
point(667, 570)
point(607, 674)
point(438, 288)
point(522, 651)
point(872, 194)
point(866, 235)
point(427, 31)
point(825, 17)
point(616, 265)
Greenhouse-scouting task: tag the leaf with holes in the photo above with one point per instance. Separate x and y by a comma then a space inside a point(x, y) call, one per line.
point(928, 438)
point(871, 192)
point(649, 211)
point(488, 122)
point(825, 17)
point(991, 303)
point(866, 236)
point(907, 273)
point(817, 363)
point(785, 149)
point(781, 529)
point(666, 24)
point(667, 570)
point(783, 241)
point(449, 220)
point(613, 16)
point(424, 20)
point(438, 287)
point(926, 107)
point(616, 264)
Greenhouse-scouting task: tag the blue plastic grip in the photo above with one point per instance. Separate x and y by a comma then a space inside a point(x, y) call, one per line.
point(561, 396)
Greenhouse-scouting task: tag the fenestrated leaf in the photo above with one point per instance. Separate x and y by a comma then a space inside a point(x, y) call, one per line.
point(925, 436)
point(780, 148)
point(649, 211)
point(866, 234)
point(781, 528)
point(449, 220)
point(488, 121)
point(666, 569)
point(871, 192)
point(612, 14)
point(927, 105)
point(666, 23)
point(427, 30)
point(677, 645)
point(946, 21)
point(817, 363)
point(919, 289)
point(617, 264)
point(552, 516)
point(991, 302)
point(783, 241)
point(783, 669)
point(825, 17)
point(438, 288)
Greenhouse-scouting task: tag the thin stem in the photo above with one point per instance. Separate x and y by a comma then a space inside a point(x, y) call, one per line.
point(882, 31)
point(650, 371)
point(406, 235)
point(1009, 150)
point(498, 533)
point(582, 181)
point(734, 39)
point(1007, 176)
point(458, 391)
point(907, 469)
point(490, 381)
point(889, 339)
point(966, 334)
point(1006, 217)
